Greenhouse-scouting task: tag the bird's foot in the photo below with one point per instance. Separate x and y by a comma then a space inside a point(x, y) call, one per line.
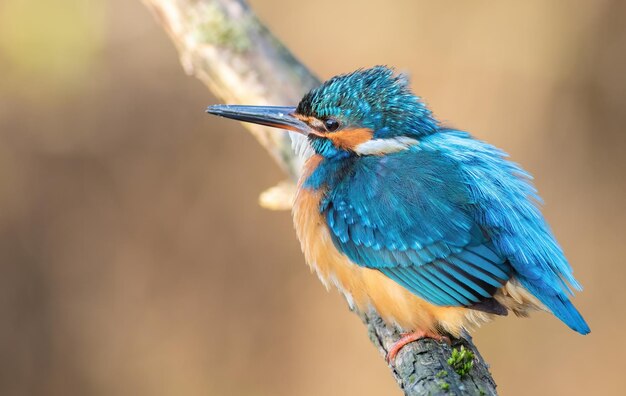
point(408, 338)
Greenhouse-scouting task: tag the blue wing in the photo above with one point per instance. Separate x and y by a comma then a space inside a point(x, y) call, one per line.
point(451, 220)
point(409, 215)
point(505, 204)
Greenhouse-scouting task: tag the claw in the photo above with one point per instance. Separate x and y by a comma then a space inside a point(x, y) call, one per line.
point(408, 338)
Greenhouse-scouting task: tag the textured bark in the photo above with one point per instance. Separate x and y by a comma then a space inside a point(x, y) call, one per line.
point(225, 45)
point(421, 368)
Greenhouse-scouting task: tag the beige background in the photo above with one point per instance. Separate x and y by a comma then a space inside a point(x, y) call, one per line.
point(134, 259)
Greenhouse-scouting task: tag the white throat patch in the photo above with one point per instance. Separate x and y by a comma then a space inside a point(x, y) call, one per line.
point(385, 146)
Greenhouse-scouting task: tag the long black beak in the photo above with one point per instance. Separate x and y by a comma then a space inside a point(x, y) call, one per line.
point(273, 116)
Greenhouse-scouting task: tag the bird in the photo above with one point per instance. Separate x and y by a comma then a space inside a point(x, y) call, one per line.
point(435, 230)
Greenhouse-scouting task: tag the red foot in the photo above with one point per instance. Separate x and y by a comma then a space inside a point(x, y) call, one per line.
point(411, 337)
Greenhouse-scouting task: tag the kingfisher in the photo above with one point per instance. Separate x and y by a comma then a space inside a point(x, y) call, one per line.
point(435, 230)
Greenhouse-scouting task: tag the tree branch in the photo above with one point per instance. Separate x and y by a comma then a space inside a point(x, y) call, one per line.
point(224, 44)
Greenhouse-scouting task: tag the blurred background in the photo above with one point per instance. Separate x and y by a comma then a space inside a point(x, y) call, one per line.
point(134, 259)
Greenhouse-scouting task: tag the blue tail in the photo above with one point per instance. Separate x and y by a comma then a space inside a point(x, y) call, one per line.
point(560, 306)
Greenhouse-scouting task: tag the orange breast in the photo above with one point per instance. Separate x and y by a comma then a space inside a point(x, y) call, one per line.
point(366, 288)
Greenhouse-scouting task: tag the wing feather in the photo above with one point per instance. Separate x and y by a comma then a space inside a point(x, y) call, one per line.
point(416, 229)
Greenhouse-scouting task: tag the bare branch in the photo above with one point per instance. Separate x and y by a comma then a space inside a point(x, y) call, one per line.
point(224, 44)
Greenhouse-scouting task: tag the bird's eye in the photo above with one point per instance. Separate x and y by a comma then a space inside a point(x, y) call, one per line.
point(331, 124)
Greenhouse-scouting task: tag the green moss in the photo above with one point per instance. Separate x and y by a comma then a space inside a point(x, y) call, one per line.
point(216, 28)
point(443, 385)
point(461, 361)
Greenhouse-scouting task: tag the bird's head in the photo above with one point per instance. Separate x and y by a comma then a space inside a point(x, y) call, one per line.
point(366, 112)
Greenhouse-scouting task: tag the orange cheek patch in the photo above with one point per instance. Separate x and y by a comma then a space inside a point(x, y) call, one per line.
point(350, 138)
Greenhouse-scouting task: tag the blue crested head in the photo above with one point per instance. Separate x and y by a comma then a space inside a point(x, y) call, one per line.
point(366, 112)
point(376, 98)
